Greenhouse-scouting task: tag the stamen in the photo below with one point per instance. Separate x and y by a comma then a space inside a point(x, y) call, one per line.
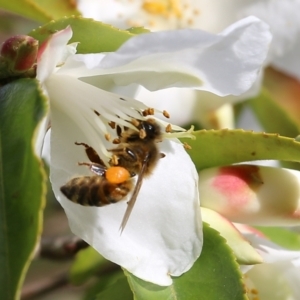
point(187, 146)
point(118, 130)
point(104, 116)
point(154, 7)
point(112, 125)
point(114, 160)
point(135, 122)
point(164, 8)
point(116, 141)
point(168, 128)
point(83, 115)
point(182, 134)
point(148, 112)
point(166, 114)
point(143, 134)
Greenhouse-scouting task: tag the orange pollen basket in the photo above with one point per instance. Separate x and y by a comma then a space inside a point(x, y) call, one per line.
point(117, 174)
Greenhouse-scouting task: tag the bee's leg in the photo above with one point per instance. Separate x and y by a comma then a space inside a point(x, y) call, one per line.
point(91, 154)
point(83, 144)
point(95, 168)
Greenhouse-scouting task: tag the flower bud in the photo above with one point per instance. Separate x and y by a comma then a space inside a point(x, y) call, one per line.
point(254, 195)
point(18, 54)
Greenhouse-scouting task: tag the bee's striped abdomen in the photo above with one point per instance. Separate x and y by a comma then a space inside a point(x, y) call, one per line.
point(95, 190)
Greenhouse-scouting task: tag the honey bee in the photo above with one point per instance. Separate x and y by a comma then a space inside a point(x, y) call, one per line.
point(136, 155)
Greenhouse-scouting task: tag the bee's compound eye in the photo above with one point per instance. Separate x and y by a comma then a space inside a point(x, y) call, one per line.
point(117, 175)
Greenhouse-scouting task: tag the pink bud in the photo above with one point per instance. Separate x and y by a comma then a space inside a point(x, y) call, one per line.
point(251, 194)
point(19, 53)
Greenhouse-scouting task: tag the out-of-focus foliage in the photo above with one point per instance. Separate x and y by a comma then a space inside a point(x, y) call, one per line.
point(101, 37)
point(41, 10)
point(22, 182)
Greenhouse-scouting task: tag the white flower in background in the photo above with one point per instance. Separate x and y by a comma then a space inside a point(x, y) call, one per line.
point(278, 277)
point(270, 271)
point(212, 16)
point(80, 111)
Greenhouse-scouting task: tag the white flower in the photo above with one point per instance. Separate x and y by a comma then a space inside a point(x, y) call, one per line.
point(212, 16)
point(270, 271)
point(278, 277)
point(163, 236)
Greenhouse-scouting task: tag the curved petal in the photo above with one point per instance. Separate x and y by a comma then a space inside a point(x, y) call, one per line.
point(192, 58)
point(269, 251)
point(252, 194)
point(276, 281)
point(278, 268)
point(283, 19)
point(242, 249)
point(52, 52)
point(163, 236)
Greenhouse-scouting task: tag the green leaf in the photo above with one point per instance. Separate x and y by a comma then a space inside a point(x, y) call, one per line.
point(137, 30)
point(215, 275)
point(223, 147)
point(58, 8)
point(22, 182)
point(283, 90)
point(282, 236)
point(87, 262)
point(267, 110)
point(119, 290)
point(40, 10)
point(93, 36)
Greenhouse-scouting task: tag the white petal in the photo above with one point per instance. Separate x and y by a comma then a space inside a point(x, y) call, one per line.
point(269, 251)
point(224, 64)
point(111, 12)
point(273, 281)
point(277, 270)
point(174, 99)
point(283, 18)
point(83, 67)
point(163, 236)
point(52, 52)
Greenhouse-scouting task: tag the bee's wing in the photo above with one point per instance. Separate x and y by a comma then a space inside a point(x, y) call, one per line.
point(97, 168)
point(135, 193)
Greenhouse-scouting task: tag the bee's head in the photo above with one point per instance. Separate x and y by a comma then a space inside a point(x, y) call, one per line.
point(151, 128)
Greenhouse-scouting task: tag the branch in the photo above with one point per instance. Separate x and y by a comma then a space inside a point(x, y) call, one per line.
point(61, 248)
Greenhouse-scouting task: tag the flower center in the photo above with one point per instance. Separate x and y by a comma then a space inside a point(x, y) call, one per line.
point(104, 123)
point(164, 8)
point(165, 14)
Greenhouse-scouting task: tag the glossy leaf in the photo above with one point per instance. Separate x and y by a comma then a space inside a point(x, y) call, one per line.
point(58, 8)
point(224, 147)
point(93, 36)
point(22, 186)
point(138, 30)
point(272, 116)
point(284, 237)
point(40, 10)
point(119, 290)
point(215, 275)
point(86, 264)
point(284, 92)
